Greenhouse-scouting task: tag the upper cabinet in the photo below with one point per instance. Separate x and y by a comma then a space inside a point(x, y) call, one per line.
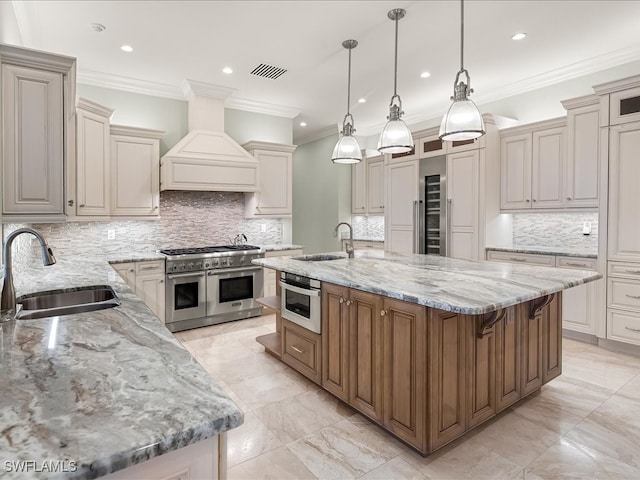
point(582, 180)
point(38, 91)
point(367, 186)
point(532, 163)
point(274, 197)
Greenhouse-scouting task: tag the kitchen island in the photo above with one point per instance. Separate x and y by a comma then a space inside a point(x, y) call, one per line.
point(88, 394)
point(425, 346)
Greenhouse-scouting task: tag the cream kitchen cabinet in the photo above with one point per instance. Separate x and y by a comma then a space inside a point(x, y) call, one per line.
point(37, 133)
point(532, 162)
point(93, 163)
point(463, 183)
point(367, 186)
point(582, 168)
point(401, 200)
point(146, 279)
point(135, 171)
point(274, 197)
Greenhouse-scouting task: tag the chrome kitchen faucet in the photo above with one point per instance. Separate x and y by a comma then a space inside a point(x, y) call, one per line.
point(349, 246)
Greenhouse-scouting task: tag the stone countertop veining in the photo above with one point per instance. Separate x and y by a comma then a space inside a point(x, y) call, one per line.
point(276, 247)
point(462, 286)
point(105, 389)
point(567, 251)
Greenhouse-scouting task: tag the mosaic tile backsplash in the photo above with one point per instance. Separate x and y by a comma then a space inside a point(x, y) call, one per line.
point(188, 219)
point(555, 230)
point(368, 228)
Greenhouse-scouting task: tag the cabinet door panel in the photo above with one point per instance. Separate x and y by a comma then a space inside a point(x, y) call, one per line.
point(552, 339)
point(532, 350)
point(275, 194)
point(404, 374)
point(402, 191)
point(508, 384)
point(481, 372)
point(335, 340)
point(547, 168)
point(93, 164)
point(375, 186)
point(446, 384)
point(515, 172)
point(583, 159)
point(359, 188)
point(463, 171)
point(365, 358)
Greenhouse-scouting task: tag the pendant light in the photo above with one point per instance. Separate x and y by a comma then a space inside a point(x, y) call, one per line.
point(463, 120)
point(347, 150)
point(396, 136)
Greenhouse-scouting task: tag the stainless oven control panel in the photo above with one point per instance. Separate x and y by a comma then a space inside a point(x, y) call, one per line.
point(219, 261)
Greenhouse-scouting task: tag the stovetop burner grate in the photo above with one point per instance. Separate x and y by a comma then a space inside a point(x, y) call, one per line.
point(212, 249)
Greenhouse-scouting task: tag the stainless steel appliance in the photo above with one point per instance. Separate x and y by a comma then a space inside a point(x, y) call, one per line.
point(300, 301)
point(210, 285)
point(431, 211)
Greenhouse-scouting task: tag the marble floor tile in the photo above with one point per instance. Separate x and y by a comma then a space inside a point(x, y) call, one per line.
point(395, 468)
point(259, 391)
point(344, 450)
point(299, 415)
point(239, 369)
point(516, 438)
point(571, 460)
point(249, 440)
point(278, 464)
point(597, 372)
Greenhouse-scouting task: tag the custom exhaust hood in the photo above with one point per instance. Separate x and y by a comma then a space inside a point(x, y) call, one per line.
point(207, 159)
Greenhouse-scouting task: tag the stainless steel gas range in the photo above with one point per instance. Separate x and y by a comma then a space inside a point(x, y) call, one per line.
point(210, 285)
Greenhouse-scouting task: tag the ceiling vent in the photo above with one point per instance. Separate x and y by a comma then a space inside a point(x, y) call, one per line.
point(268, 71)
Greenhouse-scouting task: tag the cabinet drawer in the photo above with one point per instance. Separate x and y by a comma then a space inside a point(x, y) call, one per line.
point(623, 326)
point(301, 350)
point(524, 258)
point(624, 294)
point(149, 267)
point(582, 263)
point(624, 270)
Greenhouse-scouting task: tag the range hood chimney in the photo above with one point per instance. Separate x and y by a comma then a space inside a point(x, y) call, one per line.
point(207, 159)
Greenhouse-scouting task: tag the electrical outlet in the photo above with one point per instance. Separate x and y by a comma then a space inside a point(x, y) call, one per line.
point(586, 228)
point(111, 234)
point(263, 227)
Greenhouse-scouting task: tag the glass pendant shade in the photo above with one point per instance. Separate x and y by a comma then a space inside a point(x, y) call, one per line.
point(462, 122)
point(395, 138)
point(347, 150)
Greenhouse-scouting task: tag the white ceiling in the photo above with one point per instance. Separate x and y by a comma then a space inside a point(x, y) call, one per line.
point(179, 40)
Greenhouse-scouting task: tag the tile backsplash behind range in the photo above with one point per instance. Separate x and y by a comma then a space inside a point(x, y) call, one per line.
point(368, 227)
point(187, 219)
point(556, 230)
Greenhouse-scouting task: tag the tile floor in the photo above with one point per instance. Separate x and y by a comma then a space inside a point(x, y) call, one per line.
point(584, 424)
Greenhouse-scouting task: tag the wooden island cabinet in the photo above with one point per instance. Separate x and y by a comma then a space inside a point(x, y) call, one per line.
point(428, 376)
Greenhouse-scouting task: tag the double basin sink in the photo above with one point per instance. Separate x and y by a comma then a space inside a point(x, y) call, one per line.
point(66, 302)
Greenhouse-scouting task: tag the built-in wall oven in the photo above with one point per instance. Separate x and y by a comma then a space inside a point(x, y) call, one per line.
point(301, 301)
point(210, 285)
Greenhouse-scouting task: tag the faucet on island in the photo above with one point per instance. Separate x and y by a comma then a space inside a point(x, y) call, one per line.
point(8, 299)
point(349, 246)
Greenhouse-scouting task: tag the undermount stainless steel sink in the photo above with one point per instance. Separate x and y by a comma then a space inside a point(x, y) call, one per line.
point(318, 258)
point(64, 302)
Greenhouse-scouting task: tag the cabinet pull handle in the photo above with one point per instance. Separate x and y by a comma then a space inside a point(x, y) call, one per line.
point(516, 259)
point(155, 208)
point(534, 200)
point(569, 199)
point(82, 205)
point(296, 349)
point(632, 329)
point(70, 203)
point(161, 281)
point(632, 271)
point(636, 297)
point(572, 264)
point(383, 313)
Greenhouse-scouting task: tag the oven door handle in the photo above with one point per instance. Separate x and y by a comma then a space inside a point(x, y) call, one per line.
point(221, 271)
point(301, 291)
point(171, 276)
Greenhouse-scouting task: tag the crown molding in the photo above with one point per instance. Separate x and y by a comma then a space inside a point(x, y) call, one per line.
point(617, 85)
point(262, 107)
point(584, 101)
point(94, 107)
point(136, 132)
point(128, 84)
point(191, 88)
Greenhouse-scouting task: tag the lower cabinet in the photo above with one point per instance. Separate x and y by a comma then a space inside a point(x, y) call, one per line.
point(301, 349)
point(146, 279)
point(429, 376)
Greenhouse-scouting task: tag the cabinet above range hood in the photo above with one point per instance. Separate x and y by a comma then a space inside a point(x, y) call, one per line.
point(207, 159)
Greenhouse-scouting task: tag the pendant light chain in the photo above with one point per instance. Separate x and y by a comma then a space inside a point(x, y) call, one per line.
point(349, 84)
point(395, 63)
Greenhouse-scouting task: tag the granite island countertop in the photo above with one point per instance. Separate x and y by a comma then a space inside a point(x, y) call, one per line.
point(567, 251)
point(105, 389)
point(462, 286)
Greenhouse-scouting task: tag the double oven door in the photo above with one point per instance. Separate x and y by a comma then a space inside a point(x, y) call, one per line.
point(213, 292)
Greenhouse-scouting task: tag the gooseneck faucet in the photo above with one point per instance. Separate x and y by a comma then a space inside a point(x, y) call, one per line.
point(349, 246)
point(8, 300)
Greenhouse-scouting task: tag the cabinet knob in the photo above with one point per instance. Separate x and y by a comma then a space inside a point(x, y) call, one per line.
point(534, 200)
point(383, 313)
point(342, 300)
point(70, 203)
point(132, 270)
point(349, 302)
point(155, 208)
point(527, 200)
point(569, 199)
point(161, 281)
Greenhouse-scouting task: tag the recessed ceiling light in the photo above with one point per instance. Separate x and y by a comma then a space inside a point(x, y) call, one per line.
point(303, 124)
point(518, 36)
point(425, 75)
point(227, 70)
point(126, 48)
point(362, 100)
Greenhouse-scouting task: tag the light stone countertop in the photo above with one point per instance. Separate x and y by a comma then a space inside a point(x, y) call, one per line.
point(462, 286)
point(277, 247)
point(105, 389)
point(568, 251)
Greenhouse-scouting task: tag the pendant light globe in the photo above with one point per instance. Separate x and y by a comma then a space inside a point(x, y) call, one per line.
point(463, 120)
point(347, 149)
point(395, 136)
